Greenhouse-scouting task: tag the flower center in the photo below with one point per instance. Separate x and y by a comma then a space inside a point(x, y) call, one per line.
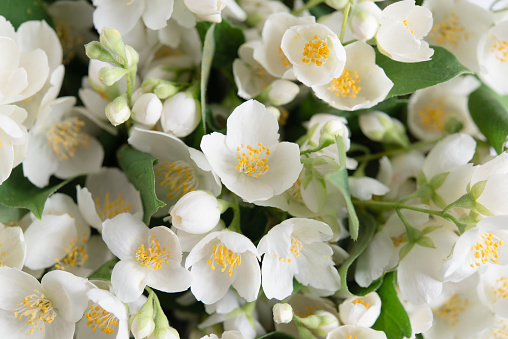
point(500, 48)
point(448, 31)
point(404, 22)
point(152, 257)
point(283, 58)
point(501, 288)
point(431, 116)
point(349, 336)
point(309, 310)
point(99, 318)
point(294, 251)
point(66, 137)
point(3, 256)
point(451, 310)
point(250, 160)
point(177, 176)
point(315, 51)
point(361, 301)
point(37, 309)
point(223, 256)
point(397, 241)
point(76, 255)
point(110, 208)
point(485, 250)
point(346, 85)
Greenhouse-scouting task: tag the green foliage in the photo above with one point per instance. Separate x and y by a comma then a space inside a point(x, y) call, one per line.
point(410, 77)
point(368, 228)
point(340, 180)
point(393, 319)
point(19, 11)
point(18, 192)
point(138, 166)
point(227, 41)
point(206, 66)
point(11, 214)
point(253, 222)
point(275, 335)
point(490, 116)
point(104, 272)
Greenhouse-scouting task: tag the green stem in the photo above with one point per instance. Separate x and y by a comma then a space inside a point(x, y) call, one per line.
point(308, 5)
point(344, 21)
point(235, 223)
point(129, 89)
point(419, 145)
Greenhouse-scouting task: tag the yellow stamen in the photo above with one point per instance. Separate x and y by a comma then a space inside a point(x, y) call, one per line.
point(152, 257)
point(251, 161)
point(346, 85)
point(315, 51)
point(222, 256)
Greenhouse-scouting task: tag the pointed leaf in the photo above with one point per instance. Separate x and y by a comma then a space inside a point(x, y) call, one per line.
point(139, 169)
point(405, 250)
point(11, 214)
point(18, 192)
point(477, 189)
point(426, 242)
point(340, 180)
point(393, 319)
point(104, 272)
point(438, 180)
point(410, 77)
point(490, 116)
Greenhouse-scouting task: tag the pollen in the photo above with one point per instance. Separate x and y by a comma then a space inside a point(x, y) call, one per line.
point(100, 319)
point(349, 336)
point(251, 160)
point(3, 256)
point(108, 208)
point(448, 31)
point(66, 137)
point(37, 309)
point(346, 85)
point(432, 116)
point(294, 251)
point(404, 22)
point(152, 256)
point(500, 48)
point(451, 310)
point(75, 255)
point(500, 289)
point(486, 250)
point(361, 301)
point(283, 58)
point(224, 258)
point(315, 51)
point(177, 177)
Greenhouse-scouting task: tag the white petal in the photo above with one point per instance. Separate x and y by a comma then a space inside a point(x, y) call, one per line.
point(277, 278)
point(129, 280)
point(15, 285)
point(124, 234)
point(247, 277)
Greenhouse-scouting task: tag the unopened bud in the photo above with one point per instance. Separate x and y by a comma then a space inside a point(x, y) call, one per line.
point(165, 90)
point(281, 92)
point(95, 51)
point(111, 39)
point(147, 109)
point(379, 126)
point(118, 111)
point(142, 325)
point(337, 4)
point(108, 76)
point(329, 322)
point(282, 313)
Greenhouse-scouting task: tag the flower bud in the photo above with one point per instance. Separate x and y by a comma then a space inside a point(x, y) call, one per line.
point(282, 313)
point(111, 39)
point(110, 75)
point(132, 56)
point(336, 4)
point(165, 90)
point(142, 326)
point(147, 109)
point(118, 111)
point(180, 114)
point(197, 212)
point(329, 322)
point(281, 92)
point(360, 311)
point(164, 333)
point(331, 130)
point(364, 20)
point(379, 126)
point(95, 51)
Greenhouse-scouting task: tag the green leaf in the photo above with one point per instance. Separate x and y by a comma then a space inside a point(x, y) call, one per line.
point(430, 229)
point(426, 242)
point(362, 291)
point(490, 116)
point(410, 77)
point(276, 335)
point(18, 192)
point(340, 180)
point(393, 319)
point(19, 11)
point(11, 214)
point(438, 180)
point(206, 65)
point(139, 169)
point(477, 189)
point(104, 272)
point(405, 250)
point(482, 209)
point(368, 228)
point(227, 41)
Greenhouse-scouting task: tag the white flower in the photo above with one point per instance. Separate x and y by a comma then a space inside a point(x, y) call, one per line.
point(180, 169)
point(106, 317)
point(402, 28)
point(106, 194)
point(124, 14)
point(224, 259)
point(348, 331)
point(147, 257)
point(296, 248)
point(48, 309)
point(23, 72)
point(181, 114)
point(12, 246)
point(250, 160)
point(493, 58)
point(13, 139)
point(147, 109)
point(315, 52)
point(282, 313)
point(269, 54)
point(196, 212)
point(458, 27)
point(477, 248)
point(60, 144)
point(360, 311)
point(225, 335)
point(431, 109)
point(493, 289)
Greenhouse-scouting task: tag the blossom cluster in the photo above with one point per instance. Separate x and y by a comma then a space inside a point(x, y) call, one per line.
point(210, 168)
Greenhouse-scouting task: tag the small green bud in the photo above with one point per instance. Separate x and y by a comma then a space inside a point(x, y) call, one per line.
point(165, 90)
point(95, 51)
point(110, 75)
point(337, 4)
point(111, 39)
point(282, 313)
